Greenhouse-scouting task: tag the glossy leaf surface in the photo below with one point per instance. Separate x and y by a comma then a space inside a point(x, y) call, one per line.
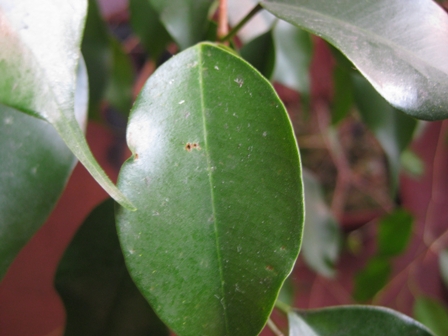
point(185, 20)
point(216, 176)
point(433, 314)
point(353, 320)
point(39, 55)
point(400, 48)
point(322, 238)
point(146, 24)
point(34, 167)
point(98, 293)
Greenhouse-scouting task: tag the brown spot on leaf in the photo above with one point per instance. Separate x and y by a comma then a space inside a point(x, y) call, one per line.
point(269, 268)
point(136, 156)
point(190, 146)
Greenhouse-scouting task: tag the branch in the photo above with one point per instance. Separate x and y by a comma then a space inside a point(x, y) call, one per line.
point(223, 26)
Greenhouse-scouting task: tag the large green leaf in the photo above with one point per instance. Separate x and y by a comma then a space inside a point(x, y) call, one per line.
point(433, 314)
point(146, 24)
point(39, 54)
point(185, 20)
point(98, 293)
point(215, 173)
point(322, 237)
point(400, 47)
point(353, 320)
point(34, 167)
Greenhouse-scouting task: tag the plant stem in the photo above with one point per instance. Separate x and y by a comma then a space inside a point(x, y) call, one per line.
point(274, 328)
point(235, 29)
point(223, 26)
point(283, 306)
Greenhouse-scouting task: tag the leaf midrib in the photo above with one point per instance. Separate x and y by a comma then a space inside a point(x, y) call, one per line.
point(212, 194)
point(359, 29)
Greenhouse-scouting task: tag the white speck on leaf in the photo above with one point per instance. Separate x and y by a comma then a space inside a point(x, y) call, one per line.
point(239, 81)
point(8, 120)
point(216, 67)
point(265, 133)
point(181, 102)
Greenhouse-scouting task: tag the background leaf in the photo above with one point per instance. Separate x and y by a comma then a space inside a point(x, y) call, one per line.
point(216, 175)
point(322, 238)
point(370, 280)
point(119, 88)
point(98, 293)
point(354, 320)
point(433, 314)
point(111, 74)
point(406, 66)
point(343, 94)
point(394, 232)
point(185, 20)
point(293, 51)
point(39, 49)
point(146, 24)
point(34, 167)
point(392, 128)
point(260, 53)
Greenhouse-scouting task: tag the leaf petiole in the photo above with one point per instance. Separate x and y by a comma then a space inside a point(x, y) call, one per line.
point(235, 29)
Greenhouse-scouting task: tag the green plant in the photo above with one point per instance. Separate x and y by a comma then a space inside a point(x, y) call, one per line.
point(210, 206)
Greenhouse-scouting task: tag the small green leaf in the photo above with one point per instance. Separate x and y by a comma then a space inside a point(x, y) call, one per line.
point(394, 232)
point(370, 280)
point(39, 55)
point(392, 128)
point(293, 51)
point(322, 238)
point(260, 53)
point(216, 176)
point(443, 264)
point(412, 163)
point(401, 49)
point(34, 167)
point(98, 293)
point(185, 20)
point(433, 314)
point(353, 321)
point(146, 24)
